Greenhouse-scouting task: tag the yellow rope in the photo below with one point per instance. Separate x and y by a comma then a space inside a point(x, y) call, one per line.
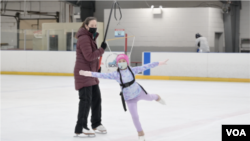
point(119, 38)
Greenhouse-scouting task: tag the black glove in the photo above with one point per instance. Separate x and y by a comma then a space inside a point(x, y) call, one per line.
point(104, 45)
point(100, 69)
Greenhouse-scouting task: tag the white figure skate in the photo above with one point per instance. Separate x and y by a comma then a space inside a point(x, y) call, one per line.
point(86, 134)
point(141, 138)
point(161, 101)
point(100, 130)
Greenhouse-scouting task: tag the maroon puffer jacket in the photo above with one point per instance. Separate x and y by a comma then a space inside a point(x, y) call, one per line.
point(87, 55)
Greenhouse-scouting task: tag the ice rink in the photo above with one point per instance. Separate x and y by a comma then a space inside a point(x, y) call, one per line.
point(44, 108)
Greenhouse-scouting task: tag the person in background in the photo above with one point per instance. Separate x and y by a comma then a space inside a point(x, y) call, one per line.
point(202, 44)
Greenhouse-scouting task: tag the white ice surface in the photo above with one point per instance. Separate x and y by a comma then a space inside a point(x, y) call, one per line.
point(44, 108)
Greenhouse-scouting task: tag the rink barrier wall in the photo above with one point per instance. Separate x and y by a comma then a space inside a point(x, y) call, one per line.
point(139, 77)
point(181, 66)
point(191, 78)
point(200, 66)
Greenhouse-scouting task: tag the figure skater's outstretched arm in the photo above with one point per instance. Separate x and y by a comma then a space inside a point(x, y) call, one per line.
point(148, 66)
point(111, 75)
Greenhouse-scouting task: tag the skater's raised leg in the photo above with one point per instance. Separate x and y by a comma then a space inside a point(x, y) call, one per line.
point(151, 97)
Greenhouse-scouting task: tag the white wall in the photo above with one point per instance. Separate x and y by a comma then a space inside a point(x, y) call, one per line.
point(128, 4)
point(38, 61)
point(245, 20)
point(46, 61)
point(218, 65)
point(215, 65)
point(215, 25)
point(176, 27)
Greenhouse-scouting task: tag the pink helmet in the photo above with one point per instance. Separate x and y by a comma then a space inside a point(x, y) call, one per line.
point(122, 56)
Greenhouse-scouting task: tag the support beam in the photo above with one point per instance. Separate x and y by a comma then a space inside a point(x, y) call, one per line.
point(24, 8)
point(87, 9)
point(231, 27)
point(18, 27)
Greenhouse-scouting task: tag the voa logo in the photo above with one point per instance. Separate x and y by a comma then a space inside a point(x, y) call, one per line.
point(236, 132)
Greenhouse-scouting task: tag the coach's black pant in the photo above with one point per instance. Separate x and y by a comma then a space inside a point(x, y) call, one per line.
point(89, 97)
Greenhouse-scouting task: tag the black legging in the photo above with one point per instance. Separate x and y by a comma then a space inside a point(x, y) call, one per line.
point(89, 97)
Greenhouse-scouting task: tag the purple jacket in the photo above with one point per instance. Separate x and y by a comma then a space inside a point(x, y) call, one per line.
point(133, 90)
point(87, 55)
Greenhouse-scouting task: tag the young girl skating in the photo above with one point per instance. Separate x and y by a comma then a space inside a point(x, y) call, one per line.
point(132, 92)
